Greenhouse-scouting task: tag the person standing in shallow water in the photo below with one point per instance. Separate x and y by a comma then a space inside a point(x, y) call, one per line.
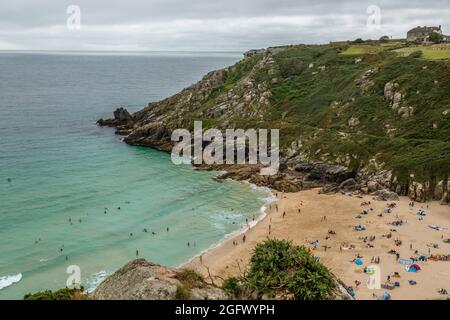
point(137, 253)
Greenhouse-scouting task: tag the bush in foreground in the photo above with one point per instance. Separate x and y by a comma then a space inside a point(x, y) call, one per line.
point(62, 294)
point(279, 269)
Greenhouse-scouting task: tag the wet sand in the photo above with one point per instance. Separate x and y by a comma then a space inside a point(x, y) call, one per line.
point(309, 225)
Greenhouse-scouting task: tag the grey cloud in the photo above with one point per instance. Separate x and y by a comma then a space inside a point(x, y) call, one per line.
point(205, 24)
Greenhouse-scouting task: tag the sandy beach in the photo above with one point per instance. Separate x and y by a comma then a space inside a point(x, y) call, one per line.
point(307, 216)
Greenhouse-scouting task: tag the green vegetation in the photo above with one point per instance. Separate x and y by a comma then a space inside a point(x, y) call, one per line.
point(190, 278)
point(280, 269)
point(436, 37)
point(384, 39)
point(331, 97)
point(62, 294)
point(182, 293)
point(436, 52)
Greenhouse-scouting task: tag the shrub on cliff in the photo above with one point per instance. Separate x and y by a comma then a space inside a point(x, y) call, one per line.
point(279, 269)
point(62, 294)
point(416, 54)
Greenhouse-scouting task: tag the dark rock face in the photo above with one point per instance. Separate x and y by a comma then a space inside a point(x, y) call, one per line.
point(121, 118)
point(348, 185)
point(326, 173)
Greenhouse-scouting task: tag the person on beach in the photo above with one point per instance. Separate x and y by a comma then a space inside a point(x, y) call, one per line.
point(243, 238)
point(284, 214)
point(201, 259)
point(270, 229)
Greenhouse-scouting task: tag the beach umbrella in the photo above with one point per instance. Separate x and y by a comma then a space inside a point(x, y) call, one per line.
point(358, 262)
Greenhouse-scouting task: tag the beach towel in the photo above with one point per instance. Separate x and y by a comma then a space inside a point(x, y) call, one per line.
point(435, 227)
point(405, 261)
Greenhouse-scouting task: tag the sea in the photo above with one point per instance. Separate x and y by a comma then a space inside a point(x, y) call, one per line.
point(73, 196)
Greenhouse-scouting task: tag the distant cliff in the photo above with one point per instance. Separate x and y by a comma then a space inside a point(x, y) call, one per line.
point(373, 122)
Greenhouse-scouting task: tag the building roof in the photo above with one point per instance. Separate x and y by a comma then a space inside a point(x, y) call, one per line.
point(424, 29)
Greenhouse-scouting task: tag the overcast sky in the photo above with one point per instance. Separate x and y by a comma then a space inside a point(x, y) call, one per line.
point(206, 25)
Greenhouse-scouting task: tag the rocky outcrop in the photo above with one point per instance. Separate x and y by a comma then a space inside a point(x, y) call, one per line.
point(142, 280)
point(245, 93)
point(386, 195)
point(121, 118)
point(397, 99)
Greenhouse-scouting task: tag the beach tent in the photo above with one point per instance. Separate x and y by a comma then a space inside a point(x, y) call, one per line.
point(413, 268)
point(385, 296)
point(446, 240)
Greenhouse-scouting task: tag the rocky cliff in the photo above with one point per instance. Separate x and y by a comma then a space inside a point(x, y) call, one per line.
point(142, 280)
point(373, 123)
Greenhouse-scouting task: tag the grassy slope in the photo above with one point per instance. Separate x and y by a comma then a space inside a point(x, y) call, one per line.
point(301, 106)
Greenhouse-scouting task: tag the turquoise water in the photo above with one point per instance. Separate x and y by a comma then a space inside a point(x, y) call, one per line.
point(56, 165)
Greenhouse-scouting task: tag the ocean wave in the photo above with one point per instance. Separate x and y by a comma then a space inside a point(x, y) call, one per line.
point(94, 280)
point(270, 198)
point(7, 281)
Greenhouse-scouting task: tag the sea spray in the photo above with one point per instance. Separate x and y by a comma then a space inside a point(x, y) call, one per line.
point(7, 281)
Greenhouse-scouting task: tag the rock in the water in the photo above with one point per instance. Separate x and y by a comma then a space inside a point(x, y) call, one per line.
point(121, 117)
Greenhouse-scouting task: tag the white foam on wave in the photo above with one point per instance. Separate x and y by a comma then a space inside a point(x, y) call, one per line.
point(94, 280)
point(271, 198)
point(7, 281)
